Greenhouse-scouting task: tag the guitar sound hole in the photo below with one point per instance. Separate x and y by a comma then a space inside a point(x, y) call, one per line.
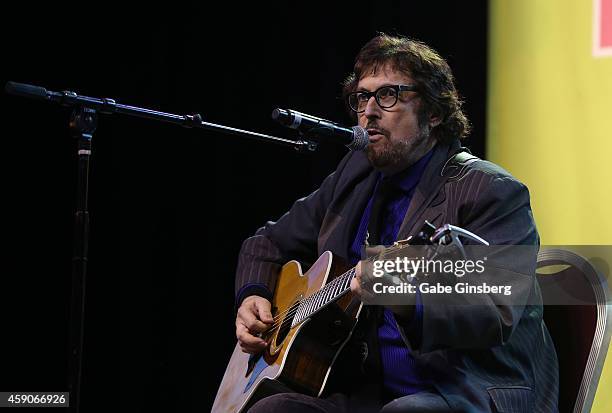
point(285, 326)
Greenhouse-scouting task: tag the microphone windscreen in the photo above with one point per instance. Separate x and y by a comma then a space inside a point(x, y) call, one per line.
point(29, 91)
point(360, 139)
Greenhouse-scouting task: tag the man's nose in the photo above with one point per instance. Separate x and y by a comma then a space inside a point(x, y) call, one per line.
point(372, 110)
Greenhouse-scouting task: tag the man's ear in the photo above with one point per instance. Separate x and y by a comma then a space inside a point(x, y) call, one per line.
point(434, 120)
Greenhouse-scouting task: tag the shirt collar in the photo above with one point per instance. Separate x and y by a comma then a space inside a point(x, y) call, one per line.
point(408, 179)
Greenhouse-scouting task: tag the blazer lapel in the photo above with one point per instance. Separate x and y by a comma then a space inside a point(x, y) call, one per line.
point(428, 192)
point(341, 220)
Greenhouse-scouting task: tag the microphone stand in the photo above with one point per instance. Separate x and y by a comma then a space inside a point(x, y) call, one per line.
point(83, 122)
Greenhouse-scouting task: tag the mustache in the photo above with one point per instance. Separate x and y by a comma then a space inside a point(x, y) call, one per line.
point(383, 131)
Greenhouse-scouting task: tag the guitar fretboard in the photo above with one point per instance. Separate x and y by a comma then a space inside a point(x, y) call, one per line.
point(326, 295)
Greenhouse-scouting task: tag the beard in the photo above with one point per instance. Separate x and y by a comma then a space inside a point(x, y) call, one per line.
point(394, 156)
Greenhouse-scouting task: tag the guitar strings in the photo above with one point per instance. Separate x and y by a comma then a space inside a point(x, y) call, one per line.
point(287, 315)
point(317, 294)
point(350, 273)
point(320, 293)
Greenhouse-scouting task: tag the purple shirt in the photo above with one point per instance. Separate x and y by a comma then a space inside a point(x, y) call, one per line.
point(401, 374)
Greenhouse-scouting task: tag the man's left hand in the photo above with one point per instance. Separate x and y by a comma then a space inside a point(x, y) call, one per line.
point(404, 312)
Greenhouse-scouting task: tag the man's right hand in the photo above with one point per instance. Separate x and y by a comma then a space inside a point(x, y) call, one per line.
point(253, 317)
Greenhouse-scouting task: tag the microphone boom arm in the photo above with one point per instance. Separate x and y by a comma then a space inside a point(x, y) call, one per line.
point(110, 106)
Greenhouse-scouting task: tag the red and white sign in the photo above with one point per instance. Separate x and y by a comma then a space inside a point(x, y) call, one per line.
point(602, 28)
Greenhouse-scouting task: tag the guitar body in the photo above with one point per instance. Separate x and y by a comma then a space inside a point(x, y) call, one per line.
point(297, 358)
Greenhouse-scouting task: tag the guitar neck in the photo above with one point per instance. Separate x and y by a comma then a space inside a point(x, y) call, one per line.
point(324, 297)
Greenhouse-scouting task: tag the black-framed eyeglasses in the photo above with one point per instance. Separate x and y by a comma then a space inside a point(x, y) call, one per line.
point(386, 97)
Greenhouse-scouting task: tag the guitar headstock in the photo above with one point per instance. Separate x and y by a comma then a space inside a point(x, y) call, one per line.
point(447, 237)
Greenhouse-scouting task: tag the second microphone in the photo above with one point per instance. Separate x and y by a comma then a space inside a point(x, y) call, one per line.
point(354, 138)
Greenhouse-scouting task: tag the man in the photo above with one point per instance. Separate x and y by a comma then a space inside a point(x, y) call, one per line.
point(420, 357)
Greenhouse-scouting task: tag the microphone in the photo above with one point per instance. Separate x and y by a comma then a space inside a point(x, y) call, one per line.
point(354, 138)
point(29, 91)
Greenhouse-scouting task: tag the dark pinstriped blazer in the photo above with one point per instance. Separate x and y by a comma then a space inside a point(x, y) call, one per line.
point(489, 357)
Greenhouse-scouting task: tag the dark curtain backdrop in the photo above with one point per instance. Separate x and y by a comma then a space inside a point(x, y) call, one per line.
point(170, 206)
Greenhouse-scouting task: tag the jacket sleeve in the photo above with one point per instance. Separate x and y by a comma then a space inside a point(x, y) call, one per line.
point(292, 237)
point(495, 207)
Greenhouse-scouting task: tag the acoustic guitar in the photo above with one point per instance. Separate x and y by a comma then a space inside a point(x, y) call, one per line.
point(314, 315)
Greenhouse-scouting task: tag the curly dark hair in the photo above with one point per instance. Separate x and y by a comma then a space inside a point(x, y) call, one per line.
point(429, 71)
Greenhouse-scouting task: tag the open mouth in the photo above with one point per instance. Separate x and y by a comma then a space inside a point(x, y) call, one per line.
point(375, 135)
